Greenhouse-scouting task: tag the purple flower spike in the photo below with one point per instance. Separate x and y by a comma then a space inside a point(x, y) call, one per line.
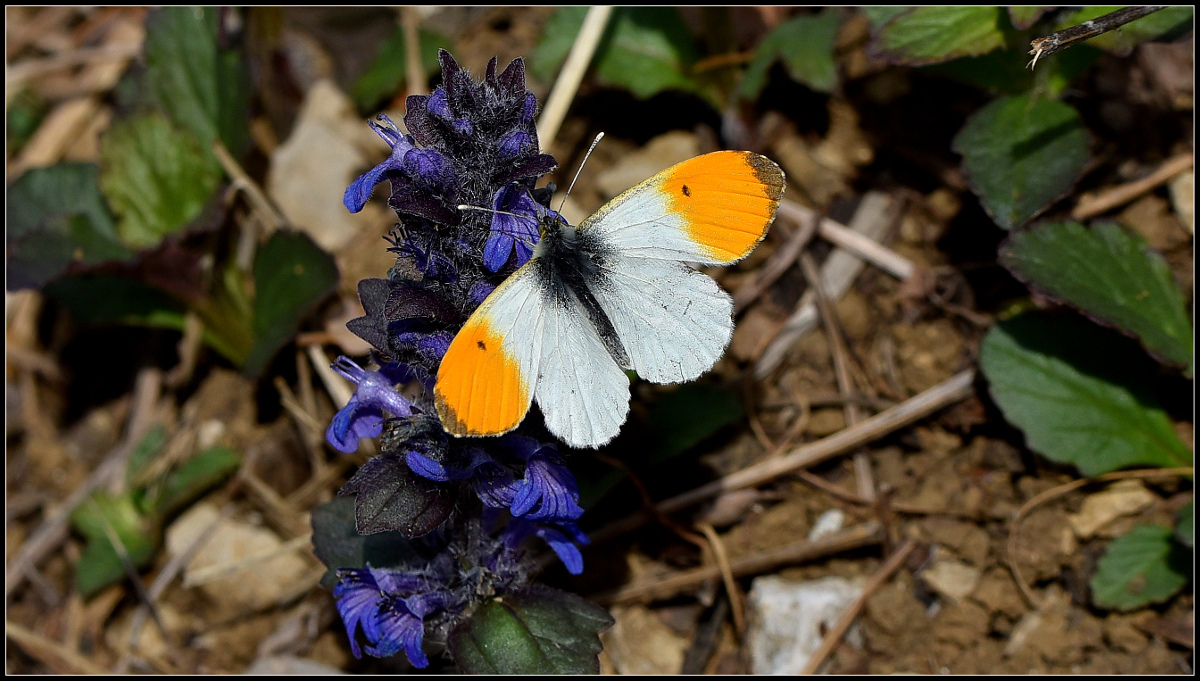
point(359, 192)
point(516, 228)
point(548, 492)
point(362, 417)
point(374, 599)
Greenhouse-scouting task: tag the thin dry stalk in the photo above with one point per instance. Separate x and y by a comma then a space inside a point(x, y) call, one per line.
point(736, 600)
point(763, 561)
point(834, 636)
point(571, 75)
point(1090, 207)
point(953, 389)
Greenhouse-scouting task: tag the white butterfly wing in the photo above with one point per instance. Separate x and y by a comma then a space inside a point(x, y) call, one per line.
point(583, 394)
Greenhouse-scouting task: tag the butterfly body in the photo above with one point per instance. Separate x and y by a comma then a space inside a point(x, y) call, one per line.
point(614, 293)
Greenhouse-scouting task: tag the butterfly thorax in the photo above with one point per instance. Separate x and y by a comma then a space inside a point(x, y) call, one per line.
point(571, 265)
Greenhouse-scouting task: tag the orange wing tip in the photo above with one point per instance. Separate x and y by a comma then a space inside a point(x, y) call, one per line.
point(480, 390)
point(727, 200)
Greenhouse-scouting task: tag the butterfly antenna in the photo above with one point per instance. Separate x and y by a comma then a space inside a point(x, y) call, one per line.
point(596, 141)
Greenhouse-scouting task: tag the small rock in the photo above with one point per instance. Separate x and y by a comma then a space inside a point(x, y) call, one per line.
point(829, 522)
point(259, 584)
point(788, 620)
point(640, 643)
point(1123, 498)
point(951, 578)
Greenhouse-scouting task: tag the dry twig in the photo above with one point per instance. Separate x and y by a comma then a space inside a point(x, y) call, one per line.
point(1068, 37)
point(571, 75)
point(834, 636)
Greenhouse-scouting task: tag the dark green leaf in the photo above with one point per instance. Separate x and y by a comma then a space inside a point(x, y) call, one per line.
point(1167, 22)
point(99, 515)
point(194, 477)
point(204, 89)
point(1111, 276)
point(645, 50)
point(1145, 566)
point(535, 631)
point(386, 75)
point(104, 299)
point(878, 15)
point(684, 417)
point(25, 113)
point(1021, 155)
point(55, 216)
point(1005, 71)
point(156, 177)
point(1080, 393)
point(926, 35)
point(292, 275)
point(805, 43)
point(1185, 531)
point(391, 497)
point(338, 544)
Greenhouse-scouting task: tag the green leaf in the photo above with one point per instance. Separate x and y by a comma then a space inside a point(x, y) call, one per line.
point(100, 564)
point(292, 275)
point(194, 477)
point(338, 544)
point(156, 177)
point(385, 77)
point(1005, 71)
point(1145, 566)
point(105, 299)
point(144, 453)
point(878, 15)
point(645, 50)
point(1079, 392)
point(926, 35)
point(1111, 275)
point(805, 43)
point(686, 416)
point(1021, 155)
point(55, 216)
point(204, 89)
point(1185, 531)
point(1169, 21)
point(1024, 17)
point(535, 631)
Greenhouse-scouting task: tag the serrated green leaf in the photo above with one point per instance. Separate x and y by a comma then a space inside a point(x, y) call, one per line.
point(805, 43)
point(1145, 566)
point(645, 50)
point(100, 564)
point(1021, 154)
point(926, 35)
point(1169, 21)
point(156, 177)
point(1079, 392)
point(385, 77)
point(1111, 276)
point(292, 275)
point(878, 15)
point(194, 477)
point(535, 631)
point(1185, 530)
point(204, 89)
point(55, 216)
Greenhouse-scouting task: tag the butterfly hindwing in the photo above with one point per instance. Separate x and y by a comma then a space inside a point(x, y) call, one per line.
point(583, 394)
point(673, 321)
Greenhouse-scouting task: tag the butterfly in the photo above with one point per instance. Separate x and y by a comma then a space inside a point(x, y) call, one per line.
point(612, 294)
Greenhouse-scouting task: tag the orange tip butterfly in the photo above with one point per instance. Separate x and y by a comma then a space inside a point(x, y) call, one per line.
point(614, 293)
